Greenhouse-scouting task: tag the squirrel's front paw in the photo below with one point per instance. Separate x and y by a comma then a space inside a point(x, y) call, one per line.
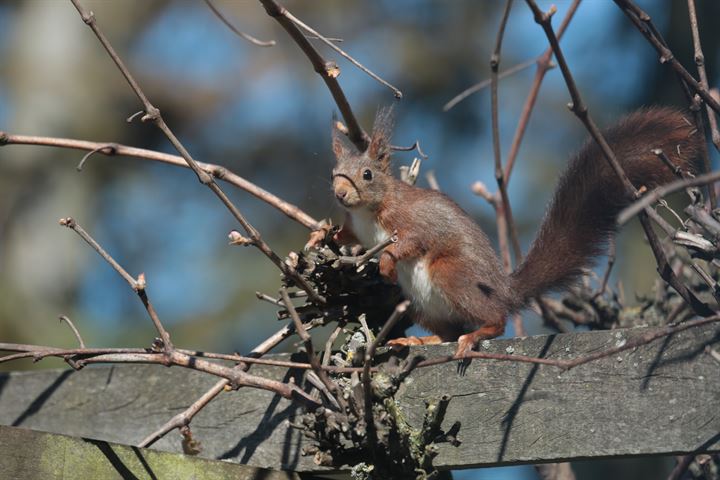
point(319, 236)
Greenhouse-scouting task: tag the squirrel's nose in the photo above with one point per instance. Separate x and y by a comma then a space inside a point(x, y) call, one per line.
point(341, 193)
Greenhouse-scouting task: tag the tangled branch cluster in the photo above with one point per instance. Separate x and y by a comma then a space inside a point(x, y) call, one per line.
point(351, 414)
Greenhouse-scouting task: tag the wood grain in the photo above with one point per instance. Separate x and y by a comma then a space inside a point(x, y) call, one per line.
point(661, 398)
point(29, 455)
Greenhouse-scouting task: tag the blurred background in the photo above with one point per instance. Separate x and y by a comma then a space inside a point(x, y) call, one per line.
point(264, 114)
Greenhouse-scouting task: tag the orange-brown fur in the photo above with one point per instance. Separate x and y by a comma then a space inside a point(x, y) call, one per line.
point(446, 264)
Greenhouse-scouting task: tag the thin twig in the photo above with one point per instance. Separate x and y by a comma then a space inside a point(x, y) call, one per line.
point(577, 105)
point(185, 417)
point(110, 147)
point(328, 71)
point(138, 285)
point(217, 171)
point(367, 380)
point(330, 342)
point(39, 352)
point(666, 160)
point(700, 63)
point(499, 174)
point(269, 299)
point(712, 118)
point(486, 83)
point(152, 114)
point(644, 25)
point(712, 284)
point(234, 29)
point(398, 94)
point(479, 189)
point(137, 355)
point(64, 318)
point(414, 146)
point(580, 110)
point(568, 364)
point(612, 245)
point(310, 351)
point(236, 377)
point(713, 353)
point(544, 64)
point(365, 257)
point(659, 192)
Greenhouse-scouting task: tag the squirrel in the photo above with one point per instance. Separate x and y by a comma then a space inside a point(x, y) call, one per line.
point(445, 264)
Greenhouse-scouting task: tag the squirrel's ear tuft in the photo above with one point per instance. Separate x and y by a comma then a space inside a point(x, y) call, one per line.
point(379, 149)
point(340, 144)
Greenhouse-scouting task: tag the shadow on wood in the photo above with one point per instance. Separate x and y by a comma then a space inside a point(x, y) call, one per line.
point(661, 398)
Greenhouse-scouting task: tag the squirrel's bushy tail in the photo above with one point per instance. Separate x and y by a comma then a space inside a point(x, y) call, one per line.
point(581, 217)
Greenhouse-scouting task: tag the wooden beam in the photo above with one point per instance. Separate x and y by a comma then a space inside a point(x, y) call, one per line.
point(662, 398)
point(34, 455)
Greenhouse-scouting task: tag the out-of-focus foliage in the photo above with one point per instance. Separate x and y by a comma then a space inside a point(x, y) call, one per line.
point(263, 113)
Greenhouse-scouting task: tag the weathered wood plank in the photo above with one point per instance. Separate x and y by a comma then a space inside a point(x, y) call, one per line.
point(34, 455)
point(662, 398)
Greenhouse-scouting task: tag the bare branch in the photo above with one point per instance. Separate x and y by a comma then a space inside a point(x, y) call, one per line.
point(398, 94)
point(109, 147)
point(580, 110)
point(712, 119)
point(185, 417)
point(663, 190)
point(544, 65)
point(64, 318)
point(249, 38)
point(328, 71)
point(365, 257)
point(643, 23)
point(331, 387)
point(499, 175)
point(217, 171)
point(610, 263)
point(153, 114)
point(414, 146)
point(397, 314)
point(136, 284)
point(486, 83)
point(568, 364)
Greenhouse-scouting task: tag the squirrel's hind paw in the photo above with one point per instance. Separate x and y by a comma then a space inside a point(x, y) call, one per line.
point(467, 342)
point(407, 341)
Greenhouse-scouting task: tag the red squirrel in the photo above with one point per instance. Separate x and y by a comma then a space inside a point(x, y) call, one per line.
point(443, 261)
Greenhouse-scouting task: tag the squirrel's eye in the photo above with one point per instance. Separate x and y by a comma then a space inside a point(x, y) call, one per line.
point(367, 174)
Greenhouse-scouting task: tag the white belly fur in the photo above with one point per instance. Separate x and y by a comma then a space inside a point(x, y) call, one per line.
point(413, 274)
point(414, 279)
point(367, 229)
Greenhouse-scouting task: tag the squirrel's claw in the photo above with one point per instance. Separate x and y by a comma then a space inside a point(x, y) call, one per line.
point(466, 344)
point(316, 239)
